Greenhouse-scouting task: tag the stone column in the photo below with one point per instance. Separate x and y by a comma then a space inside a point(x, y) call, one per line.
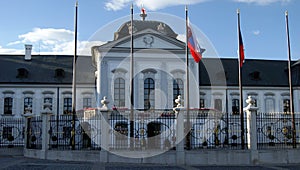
point(45, 132)
point(104, 124)
point(179, 125)
point(252, 130)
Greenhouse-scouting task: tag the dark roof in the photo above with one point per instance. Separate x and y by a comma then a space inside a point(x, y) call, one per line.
point(42, 69)
point(45, 69)
point(139, 25)
point(254, 72)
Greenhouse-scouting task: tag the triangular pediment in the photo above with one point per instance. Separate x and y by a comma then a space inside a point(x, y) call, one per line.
point(149, 39)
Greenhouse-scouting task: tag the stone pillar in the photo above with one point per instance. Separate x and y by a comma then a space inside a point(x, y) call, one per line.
point(27, 119)
point(179, 125)
point(45, 132)
point(105, 136)
point(252, 130)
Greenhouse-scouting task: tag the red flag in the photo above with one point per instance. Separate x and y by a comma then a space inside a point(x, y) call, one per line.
point(241, 45)
point(193, 44)
point(143, 11)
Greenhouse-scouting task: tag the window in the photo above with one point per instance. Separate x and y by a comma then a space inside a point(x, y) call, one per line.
point(286, 106)
point(235, 106)
point(177, 90)
point(202, 103)
point(255, 102)
point(67, 105)
point(218, 104)
point(22, 73)
point(270, 105)
point(59, 73)
point(7, 132)
point(87, 103)
point(149, 95)
point(8, 104)
point(27, 105)
point(48, 103)
point(119, 92)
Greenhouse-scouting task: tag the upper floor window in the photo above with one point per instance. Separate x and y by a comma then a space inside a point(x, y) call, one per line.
point(87, 103)
point(149, 94)
point(28, 105)
point(59, 73)
point(67, 105)
point(119, 92)
point(8, 105)
point(235, 106)
point(22, 73)
point(178, 89)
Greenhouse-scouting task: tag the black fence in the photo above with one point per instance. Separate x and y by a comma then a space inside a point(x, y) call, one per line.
point(12, 132)
point(87, 132)
point(275, 130)
point(34, 132)
point(211, 129)
point(152, 129)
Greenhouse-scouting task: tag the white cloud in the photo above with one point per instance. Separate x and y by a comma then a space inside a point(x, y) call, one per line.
point(154, 5)
point(50, 41)
point(148, 4)
point(262, 2)
point(116, 4)
point(256, 32)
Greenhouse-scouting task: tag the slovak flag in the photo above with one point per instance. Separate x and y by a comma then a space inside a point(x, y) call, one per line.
point(193, 44)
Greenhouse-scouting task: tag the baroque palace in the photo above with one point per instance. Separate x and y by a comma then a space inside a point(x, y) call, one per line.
point(31, 84)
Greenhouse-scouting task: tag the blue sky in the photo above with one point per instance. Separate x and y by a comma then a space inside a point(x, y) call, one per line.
point(49, 24)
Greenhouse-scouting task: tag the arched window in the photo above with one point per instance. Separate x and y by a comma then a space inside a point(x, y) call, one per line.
point(149, 95)
point(119, 92)
point(178, 89)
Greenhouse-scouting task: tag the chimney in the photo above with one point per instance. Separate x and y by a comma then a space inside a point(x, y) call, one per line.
point(28, 49)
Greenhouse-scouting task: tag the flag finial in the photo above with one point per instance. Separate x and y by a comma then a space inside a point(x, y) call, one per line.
point(286, 13)
point(238, 11)
point(143, 14)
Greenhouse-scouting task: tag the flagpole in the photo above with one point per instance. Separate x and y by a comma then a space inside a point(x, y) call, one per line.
point(74, 78)
point(187, 100)
point(290, 81)
point(240, 86)
point(131, 124)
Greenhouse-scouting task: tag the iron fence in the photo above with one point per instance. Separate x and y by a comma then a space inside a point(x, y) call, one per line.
point(87, 132)
point(34, 132)
point(12, 132)
point(274, 130)
point(211, 129)
point(153, 129)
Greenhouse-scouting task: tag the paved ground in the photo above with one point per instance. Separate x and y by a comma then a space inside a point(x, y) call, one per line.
point(20, 163)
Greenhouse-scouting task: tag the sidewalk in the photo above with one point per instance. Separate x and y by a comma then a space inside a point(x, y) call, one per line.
point(21, 163)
